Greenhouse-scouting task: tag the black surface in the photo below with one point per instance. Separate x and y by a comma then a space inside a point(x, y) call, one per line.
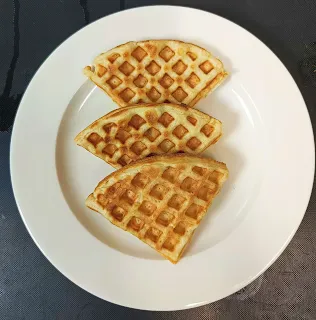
point(30, 287)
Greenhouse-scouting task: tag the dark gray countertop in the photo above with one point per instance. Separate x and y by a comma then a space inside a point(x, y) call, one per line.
point(30, 287)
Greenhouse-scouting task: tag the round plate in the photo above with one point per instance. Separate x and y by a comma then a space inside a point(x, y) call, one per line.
point(267, 145)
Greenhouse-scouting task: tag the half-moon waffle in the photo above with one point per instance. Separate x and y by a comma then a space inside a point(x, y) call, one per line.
point(161, 200)
point(156, 71)
point(133, 133)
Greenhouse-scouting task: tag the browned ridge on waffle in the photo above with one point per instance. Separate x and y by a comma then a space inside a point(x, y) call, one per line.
point(133, 133)
point(161, 200)
point(156, 71)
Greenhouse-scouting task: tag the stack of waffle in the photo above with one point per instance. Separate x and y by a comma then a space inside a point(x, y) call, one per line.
point(156, 194)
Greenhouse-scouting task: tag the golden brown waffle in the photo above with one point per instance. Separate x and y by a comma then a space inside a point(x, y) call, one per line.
point(161, 200)
point(156, 71)
point(133, 133)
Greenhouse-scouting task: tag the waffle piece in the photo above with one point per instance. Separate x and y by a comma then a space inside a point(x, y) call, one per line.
point(156, 71)
point(133, 133)
point(161, 200)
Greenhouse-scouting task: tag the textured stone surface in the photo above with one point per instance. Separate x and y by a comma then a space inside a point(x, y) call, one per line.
point(30, 287)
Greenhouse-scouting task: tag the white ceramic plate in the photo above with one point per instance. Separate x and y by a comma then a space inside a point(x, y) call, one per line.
point(268, 147)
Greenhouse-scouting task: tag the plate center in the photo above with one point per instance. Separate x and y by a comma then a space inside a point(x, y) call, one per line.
point(240, 148)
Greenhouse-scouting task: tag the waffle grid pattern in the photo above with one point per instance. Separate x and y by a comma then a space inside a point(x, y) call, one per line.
point(140, 131)
point(160, 204)
point(155, 72)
